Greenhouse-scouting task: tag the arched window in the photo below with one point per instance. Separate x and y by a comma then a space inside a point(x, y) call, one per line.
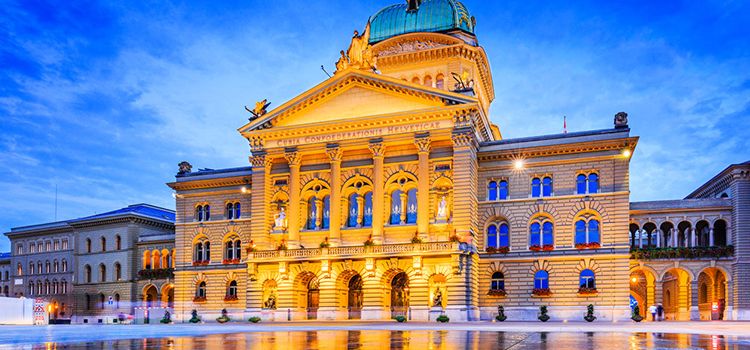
point(587, 279)
point(411, 213)
point(353, 210)
point(203, 212)
point(56, 266)
point(541, 234)
point(64, 266)
point(367, 215)
point(229, 213)
point(19, 270)
point(536, 187)
point(440, 82)
point(312, 213)
point(104, 244)
point(102, 273)
point(428, 81)
point(498, 235)
point(47, 267)
point(201, 290)
point(229, 250)
point(237, 249)
point(232, 289)
point(326, 222)
point(64, 287)
point(415, 80)
point(202, 252)
point(497, 190)
point(88, 245)
point(31, 269)
point(102, 302)
point(541, 280)
point(87, 274)
point(32, 248)
point(587, 184)
point(118, 272)
point(498, 281)
point(64, 244)
point(587, 233)
point(118, 242)
point(117, 300)
point(237, 210)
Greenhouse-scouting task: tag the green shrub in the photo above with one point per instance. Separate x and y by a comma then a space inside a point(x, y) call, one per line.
point(443, 319)
point(194, 318)
point(167, 318)
point(254, 319)
point(635, 315)
point(224, 318)
point(400, 319)
point(543, 314)
point(589, 313)
point(501, 314)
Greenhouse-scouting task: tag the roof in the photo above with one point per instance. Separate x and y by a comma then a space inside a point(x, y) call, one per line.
point(699, 191)
point(206, 174)
point(429, 16)
point(146, 211)
point(592, 135)
point(680, 204)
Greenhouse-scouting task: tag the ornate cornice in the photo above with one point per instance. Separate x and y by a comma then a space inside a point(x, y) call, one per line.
point(210, 183)
point(464, 137)
point(557, 149)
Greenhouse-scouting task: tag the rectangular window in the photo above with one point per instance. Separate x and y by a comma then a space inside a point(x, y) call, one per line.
point(503, 190)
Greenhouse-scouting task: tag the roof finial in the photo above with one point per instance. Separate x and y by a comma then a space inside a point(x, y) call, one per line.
point(413, 5)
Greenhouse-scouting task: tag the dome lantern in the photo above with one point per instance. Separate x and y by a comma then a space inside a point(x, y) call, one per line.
point(411, 16)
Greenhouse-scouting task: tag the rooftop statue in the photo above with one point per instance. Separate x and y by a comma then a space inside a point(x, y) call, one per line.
point(185, 168)
point(359, 55)
point(259, 110)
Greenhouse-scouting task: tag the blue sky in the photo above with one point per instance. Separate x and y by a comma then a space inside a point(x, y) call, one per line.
point(102, 100)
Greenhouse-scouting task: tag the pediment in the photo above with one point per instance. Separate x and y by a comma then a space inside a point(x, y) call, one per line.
point(355, 94)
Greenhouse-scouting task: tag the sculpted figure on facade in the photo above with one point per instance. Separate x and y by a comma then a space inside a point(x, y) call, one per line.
point(280, 220)
point(359, 55)
point(442, 211)
point(259, 110)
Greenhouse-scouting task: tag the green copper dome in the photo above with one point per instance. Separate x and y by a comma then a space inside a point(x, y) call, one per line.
point(420, 16)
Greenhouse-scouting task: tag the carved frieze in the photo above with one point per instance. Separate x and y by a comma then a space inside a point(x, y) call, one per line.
point(409, 46)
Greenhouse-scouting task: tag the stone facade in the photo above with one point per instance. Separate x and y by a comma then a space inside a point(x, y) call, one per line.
point(5, 273)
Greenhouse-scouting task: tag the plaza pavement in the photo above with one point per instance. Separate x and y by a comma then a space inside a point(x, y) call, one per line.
point(80, 333)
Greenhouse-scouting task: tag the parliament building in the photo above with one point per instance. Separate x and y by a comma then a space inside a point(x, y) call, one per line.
point(387, 190)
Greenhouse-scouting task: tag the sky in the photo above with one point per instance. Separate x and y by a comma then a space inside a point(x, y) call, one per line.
point(100, 101)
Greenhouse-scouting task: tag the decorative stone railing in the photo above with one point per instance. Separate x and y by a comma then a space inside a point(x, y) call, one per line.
point(682, 253)
point(147, 274)
point(384, 249)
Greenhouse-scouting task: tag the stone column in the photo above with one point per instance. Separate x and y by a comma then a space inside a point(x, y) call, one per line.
point(694, 312)
point(423, 185)
point(335, 154)
point(260, 205)
point(378, 194)
point(693, 241)
point(294, 198)
point(465, 175)
point(640, 237)
point(711, 237)
point(675, 237)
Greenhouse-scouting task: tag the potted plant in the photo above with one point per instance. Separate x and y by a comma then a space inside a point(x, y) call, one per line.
point(254, 319)
point(194, 316)
point(635, 314)
point(282, 245)
point(167, 318)
point(250, 247)
point(416, 239)
point(369, 242)
point(501, 314)
point(543, 314)
point(325, 243)
point(589, 313)
point(224, 318)
point(400, 319)
point(443, 319)
point(497, 293)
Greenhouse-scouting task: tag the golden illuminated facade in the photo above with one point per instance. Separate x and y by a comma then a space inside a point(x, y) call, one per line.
point(386, 190)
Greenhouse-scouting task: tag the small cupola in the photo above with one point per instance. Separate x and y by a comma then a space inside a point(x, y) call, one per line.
point(413, 5)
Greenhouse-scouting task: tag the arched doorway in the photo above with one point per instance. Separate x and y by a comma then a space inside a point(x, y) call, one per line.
point(642, 289)
point(399, 295)
point(676, 295)
point(54, 308)
point(355, 297)
point(313, 299)
point(712, 294)
point(167, 295)
point(150, 295)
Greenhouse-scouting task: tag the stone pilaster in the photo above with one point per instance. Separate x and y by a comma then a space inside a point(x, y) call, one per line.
point(423, 185)
point(294, 197)
point(260, 226)
point(335, 154)
point(465, 176)
point(378, 196)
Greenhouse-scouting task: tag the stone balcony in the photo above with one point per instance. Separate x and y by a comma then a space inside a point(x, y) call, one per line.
point(422, 249)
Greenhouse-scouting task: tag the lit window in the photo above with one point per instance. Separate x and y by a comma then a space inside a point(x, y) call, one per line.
point(541, 280)
point(547, 187)
point(498, 281)
point(587, 231)
point(201, 290)
point(492, 191)
point(587, 184)
point(541, 234)
point(232, 289)
point(536, 187)
point(498, 235)
point(587, 279)
point(367, 217)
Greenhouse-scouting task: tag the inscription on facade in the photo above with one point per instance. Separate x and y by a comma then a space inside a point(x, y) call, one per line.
point(356, 134)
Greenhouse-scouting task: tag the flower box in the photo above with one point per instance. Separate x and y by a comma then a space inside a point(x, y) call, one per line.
point(497, 293)
point(590, 245)
point(201, 263)
point(541, 292)
point(548, 247)
point(535, 248)
point(199, 299)
point(583, 291)
point(230, 261)
point(500, 250)
point(230, 298)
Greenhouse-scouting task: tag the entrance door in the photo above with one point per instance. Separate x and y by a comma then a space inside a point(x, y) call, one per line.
point(313, 300)
point(355, 297)
point(400, 295)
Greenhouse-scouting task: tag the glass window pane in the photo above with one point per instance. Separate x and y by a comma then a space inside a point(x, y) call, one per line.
point(536, 187)
point(492, 236)
point(311, 212)
point(547, 233)
point(594, 231)
point(504, 236)
point(326, 212)
point(492, 191)
point(547, 187)
point(367, 221)
point(396, 207)
point(541, 279)
point(353, 211)
point(593, 183)
point(535, 231)
point(503, 195)
point(411, 214)
point(237, 210)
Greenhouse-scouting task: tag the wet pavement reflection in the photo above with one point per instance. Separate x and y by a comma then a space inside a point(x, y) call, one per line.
point(419, 339)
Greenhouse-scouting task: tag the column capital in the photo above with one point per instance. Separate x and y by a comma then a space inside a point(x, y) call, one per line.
point(292, 156)
point(256, 144)
point(259, 159)
point(334, 152)
point(423, 143)
point(464, 138)
point(377, 147)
